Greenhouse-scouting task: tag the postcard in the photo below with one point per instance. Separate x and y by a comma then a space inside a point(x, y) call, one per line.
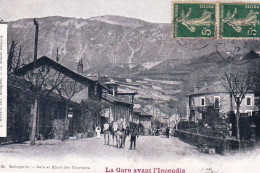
point(134, 86)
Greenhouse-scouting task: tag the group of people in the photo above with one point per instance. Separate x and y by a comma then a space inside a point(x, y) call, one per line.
point(119, 130)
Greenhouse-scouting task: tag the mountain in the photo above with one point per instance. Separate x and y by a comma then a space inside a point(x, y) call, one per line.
point(98, 41)
point(163, 70)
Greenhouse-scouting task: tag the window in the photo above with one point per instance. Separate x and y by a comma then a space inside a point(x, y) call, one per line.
point(217, 101)
point(248, 101)
point(202, 101)
point(249, 112)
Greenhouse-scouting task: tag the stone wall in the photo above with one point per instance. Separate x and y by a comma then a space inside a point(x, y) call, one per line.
point(145, 127)
point(221, 145)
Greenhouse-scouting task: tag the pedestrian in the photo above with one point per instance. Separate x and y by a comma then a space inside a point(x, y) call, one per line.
point(134, 134)
point(106, 133)
point(167, 132)
point(98, 130)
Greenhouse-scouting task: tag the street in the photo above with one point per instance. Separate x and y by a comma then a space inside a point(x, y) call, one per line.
point(152, 151)
point(148, 147)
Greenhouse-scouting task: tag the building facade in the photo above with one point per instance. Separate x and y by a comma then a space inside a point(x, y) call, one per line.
point(59, 108)
point(218, 96)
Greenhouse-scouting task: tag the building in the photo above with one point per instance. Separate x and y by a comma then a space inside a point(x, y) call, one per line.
point(60, 108)
point(145, 123)
point(217, 95)
point(136, 116)
point(118, 109)
point(120, 104)
point(19, 107)
point(143, 120)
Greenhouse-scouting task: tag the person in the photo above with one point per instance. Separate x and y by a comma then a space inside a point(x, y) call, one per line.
point(134, 134)
point(106, 133)
point(98, 130)
point(167, 132)
point(127, 130)
point(111, 130)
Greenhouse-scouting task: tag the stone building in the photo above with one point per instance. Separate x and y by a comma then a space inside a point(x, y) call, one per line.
point(218, 95)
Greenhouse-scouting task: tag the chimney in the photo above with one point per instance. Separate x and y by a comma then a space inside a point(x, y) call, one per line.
point(80, 67)
point(57, 56)
point(196, 88)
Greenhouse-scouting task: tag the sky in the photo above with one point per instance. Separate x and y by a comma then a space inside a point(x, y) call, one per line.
point(156, 11)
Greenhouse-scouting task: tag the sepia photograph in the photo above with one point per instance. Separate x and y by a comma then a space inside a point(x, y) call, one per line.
point(134, 86)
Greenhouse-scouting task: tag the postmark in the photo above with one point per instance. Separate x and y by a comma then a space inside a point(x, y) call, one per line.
point(193, 44)
point(239, 20)
point(193, 20)
point(235, 51)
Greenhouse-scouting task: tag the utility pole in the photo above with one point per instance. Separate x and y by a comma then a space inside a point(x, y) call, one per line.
point(35, 41)
point(57, 56)
point(35, 106)
point(10, 57)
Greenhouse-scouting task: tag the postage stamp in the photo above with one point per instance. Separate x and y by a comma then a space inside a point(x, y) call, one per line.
point(193, 20)
point(239, 20)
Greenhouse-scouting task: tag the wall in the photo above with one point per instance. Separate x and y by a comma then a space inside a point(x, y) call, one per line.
point(119, 111)
point(146, 124)
point(135, 118)
point(221, 145)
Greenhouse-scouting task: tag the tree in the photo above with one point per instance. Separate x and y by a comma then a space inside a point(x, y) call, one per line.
point(66, 90)
point(180, 114)
point(14, 57)
point(41, 82)
point(91, 109)
point(18, 111)
point(255, 79)
point(211, 114)
point(238, 85)
point(175, 119)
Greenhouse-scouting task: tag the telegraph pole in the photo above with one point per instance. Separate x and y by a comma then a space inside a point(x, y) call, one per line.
point(35, 41)
point(57, 56)
point(35, 106)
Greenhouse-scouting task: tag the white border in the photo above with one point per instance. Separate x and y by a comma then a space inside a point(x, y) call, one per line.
point(3, 75)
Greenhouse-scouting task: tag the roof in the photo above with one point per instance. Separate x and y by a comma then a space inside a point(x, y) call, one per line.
point(110, 83)
point(216, 88)
point(142, 113)
point(44, 60)
point(112, 99)
point(22, 84)
point(136, 111)
point(127, 93)
point(145, 114)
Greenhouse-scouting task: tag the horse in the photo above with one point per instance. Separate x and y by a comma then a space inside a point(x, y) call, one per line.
point(125, 130)
point(120, 134)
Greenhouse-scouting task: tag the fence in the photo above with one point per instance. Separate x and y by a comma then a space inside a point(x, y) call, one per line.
point(221, 145)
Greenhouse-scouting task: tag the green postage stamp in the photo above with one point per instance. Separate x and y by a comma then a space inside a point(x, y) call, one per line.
point(239, 20)
point(194, 20)
point(216, 20)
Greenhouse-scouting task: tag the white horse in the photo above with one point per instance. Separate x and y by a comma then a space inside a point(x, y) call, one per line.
point(119, 133)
